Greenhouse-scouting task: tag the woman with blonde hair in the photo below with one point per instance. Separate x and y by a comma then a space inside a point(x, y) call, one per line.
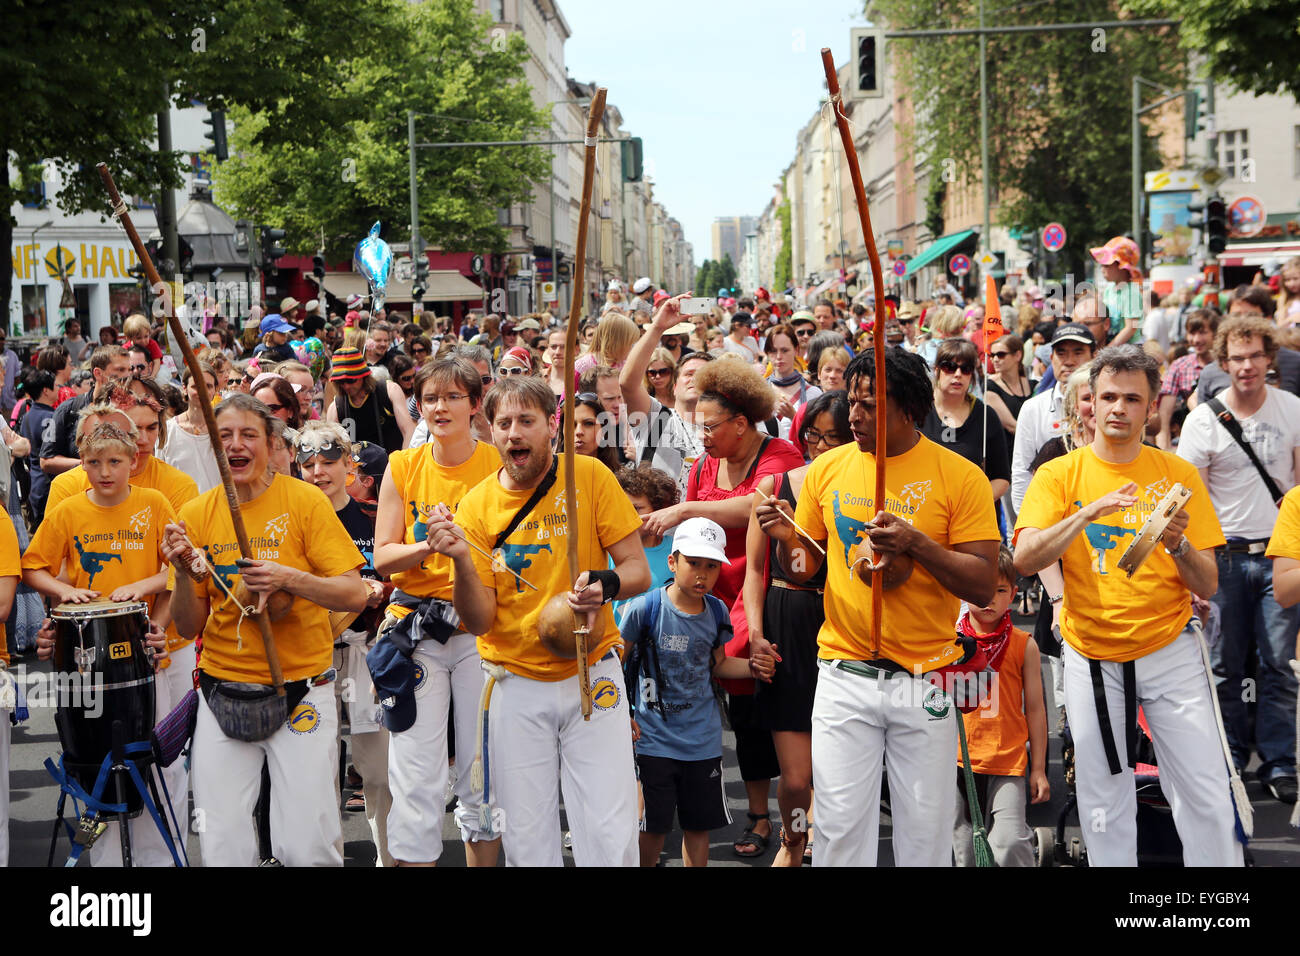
point(946, 322)
point(661, 377)
point(1288, 294)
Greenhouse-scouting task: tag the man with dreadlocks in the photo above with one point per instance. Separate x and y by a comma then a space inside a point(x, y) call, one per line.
point(938, 542)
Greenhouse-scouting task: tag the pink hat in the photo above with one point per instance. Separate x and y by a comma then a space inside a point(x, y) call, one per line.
point(1121, 251)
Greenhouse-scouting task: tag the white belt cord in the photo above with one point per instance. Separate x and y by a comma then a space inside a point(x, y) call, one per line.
point(1245, 813)
point(480, 771)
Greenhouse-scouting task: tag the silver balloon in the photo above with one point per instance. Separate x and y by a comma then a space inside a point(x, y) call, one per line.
point(373, 258)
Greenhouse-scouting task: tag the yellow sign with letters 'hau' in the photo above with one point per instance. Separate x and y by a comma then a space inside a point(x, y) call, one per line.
point(38, 262)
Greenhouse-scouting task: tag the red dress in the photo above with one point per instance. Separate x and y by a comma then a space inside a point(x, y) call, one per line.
point(776, 457)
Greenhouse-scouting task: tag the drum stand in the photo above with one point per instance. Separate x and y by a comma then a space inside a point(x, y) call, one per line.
point(121, 771)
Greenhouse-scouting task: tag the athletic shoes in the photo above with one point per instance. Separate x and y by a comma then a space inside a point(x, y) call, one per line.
point(1282, 788)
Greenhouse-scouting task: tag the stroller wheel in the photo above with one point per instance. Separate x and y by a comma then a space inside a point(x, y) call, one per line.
point(1045, 846)
point(1076, 853)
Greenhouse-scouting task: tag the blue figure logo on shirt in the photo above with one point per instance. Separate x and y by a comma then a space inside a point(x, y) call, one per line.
point(92, 562)
point(849, 529)
point(419, 530)
point(1103, 538)
point(519, 556)
point(227, 572)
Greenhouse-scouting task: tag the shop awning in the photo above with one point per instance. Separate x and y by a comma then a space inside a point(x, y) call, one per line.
point(937, 249)
point(444, 285)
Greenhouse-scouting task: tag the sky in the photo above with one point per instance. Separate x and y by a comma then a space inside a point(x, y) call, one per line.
point(716, 89)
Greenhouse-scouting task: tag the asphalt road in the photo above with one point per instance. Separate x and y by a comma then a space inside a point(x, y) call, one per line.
point(34, 798)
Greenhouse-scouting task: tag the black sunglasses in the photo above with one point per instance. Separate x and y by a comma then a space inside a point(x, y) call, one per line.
point(966, 368)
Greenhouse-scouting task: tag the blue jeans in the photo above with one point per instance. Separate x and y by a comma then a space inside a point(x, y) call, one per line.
point(1250, 616)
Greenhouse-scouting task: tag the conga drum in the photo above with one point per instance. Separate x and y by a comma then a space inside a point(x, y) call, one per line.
point(103, 675)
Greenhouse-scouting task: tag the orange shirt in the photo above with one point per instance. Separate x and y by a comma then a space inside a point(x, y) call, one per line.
point(422, 484)
point(998, 732)
point(10, 567)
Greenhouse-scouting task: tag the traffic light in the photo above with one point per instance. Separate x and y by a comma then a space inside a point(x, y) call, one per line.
point(217, 134)
point(562, 270)
point(186, 252)
point(866, 45)
point(422, 269)
point(318, 266)
point(1028, 243)
point(1216, 224)
point(632, 157)
point(270, 244)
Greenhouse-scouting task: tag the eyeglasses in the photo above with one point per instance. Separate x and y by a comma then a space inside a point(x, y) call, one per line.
point(234, 382)
point(450, 398)
point(588, 397)
point(999, 355)
point(513, 370)
point(907, 321)
point(708, 429)
point(419, 350)
point(276, 408)
point(486, 379)
point(965, 368)
point(407, 379)
point(658, 372)
point(328, 449)
point(1243, 359)
point(804, 333)
point(812, 438)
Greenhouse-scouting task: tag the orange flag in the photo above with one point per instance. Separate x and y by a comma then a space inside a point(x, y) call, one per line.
point(993, 329)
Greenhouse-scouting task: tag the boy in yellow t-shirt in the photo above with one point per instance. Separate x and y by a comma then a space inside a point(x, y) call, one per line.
point(109, 538)
point(538, 736)
point(1132, 640)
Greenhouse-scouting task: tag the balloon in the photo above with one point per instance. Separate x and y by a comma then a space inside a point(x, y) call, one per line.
point(373, 258)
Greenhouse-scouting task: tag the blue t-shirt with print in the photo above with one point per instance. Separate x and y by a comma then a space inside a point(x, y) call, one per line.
point(688, 725)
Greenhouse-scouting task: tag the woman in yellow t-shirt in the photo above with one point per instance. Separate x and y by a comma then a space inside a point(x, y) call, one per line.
point(301, 548)
point(450, 392)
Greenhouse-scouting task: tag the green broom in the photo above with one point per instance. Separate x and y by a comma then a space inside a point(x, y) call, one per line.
point(979, 834)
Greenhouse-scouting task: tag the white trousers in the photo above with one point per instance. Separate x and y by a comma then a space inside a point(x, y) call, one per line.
point(147, 845)
point(861, 725)
point(367, 737)
point(417, 758)
point(303, 760)
point(540, 744)
point(1174, 693)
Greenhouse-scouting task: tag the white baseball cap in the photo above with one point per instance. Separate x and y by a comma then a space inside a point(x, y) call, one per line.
point(701, 538)
point(641, 285)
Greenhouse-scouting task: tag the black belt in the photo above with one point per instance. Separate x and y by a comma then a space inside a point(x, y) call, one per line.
point(1257, 546)
point(1103, 714)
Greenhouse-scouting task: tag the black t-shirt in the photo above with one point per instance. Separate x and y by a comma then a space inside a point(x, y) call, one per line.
point(62, 438)
point(967, 440)
point(360, 526)
point(374, 419)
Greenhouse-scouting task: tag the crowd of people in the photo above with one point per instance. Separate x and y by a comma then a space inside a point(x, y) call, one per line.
point(402, 484)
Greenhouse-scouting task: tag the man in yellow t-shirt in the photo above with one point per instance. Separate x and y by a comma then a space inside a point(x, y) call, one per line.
point(536, 723)
point(940, 541)
point(1132, 640)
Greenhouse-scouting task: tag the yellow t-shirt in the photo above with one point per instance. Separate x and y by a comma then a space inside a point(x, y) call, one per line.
point(103, 548)
point(177, 487)
point(291, 523)
point(422, 483)
point(1285, 542)
point(937, 491)
point(538, 550)
point(10, 567)
point(1106, 615)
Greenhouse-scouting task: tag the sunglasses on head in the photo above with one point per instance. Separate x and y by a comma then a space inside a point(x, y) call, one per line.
point(327, 449)
point(966, 368)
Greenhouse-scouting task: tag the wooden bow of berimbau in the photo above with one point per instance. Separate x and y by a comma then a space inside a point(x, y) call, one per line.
point(877, 331)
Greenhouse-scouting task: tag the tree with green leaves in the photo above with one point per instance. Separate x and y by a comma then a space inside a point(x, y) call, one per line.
point(1059, 108)
point(725, 272)
point(464, 82)
point(704, 279)
point(1248, 45)
point(782, 267)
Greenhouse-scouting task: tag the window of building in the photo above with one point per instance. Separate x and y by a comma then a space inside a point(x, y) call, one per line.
point(1234, 150)
point(498, 11)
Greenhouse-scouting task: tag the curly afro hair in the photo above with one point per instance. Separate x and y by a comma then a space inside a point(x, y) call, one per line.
point(738, 387)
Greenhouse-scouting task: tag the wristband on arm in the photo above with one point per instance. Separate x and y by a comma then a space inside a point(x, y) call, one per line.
point(609, 583)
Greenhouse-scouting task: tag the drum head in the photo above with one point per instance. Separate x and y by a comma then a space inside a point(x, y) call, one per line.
point(97, 609)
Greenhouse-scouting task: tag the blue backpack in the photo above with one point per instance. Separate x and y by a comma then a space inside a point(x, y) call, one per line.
point(643, 656)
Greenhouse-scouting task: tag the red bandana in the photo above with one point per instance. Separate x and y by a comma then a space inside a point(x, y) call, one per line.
point(993, 645)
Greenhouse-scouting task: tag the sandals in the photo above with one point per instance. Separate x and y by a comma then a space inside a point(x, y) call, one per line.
point(356, 803)
point(751, 838)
